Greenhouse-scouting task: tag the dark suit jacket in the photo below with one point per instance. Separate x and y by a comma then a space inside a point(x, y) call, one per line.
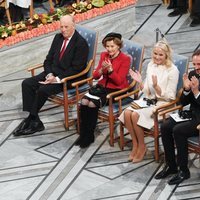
point(74, 58)
point(190, 99)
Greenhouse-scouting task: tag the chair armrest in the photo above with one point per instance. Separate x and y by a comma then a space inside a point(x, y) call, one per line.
point(127, 94)
point(165, 106)
point(163, 113)
point(34, 67)
point(77, 83)
point(64, 80)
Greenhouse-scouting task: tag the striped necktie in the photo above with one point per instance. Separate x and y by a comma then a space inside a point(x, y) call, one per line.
point(63, 49)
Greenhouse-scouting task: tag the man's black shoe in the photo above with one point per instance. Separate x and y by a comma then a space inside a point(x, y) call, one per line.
point(87, 141)
point(22, 126)
point(34, 126)
point(177, 12)
point(180, 177)
point(165, 172)
point(195, 22)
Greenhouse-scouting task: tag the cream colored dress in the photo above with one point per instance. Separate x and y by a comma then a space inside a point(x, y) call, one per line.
point(167, 80)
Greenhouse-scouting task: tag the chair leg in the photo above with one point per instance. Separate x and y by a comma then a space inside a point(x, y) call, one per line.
point(111, 128)
point(166, 2)
point(121, 137)
point(31, 10)
point(190, 5)
point(66, 115)
point(156, 153)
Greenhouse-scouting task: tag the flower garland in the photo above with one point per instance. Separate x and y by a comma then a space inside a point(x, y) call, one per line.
point(51, 23)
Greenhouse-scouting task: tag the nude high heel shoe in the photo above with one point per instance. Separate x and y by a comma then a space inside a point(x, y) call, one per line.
point(139, 159)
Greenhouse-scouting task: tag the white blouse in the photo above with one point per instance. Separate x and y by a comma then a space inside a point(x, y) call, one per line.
point(167, 78)
point(20, 3)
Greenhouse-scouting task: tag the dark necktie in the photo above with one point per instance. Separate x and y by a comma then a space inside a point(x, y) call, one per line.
point(63, 49)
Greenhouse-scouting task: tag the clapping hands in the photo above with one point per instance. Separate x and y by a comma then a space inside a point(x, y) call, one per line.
point(186, 82)
point(106, 64)
point(135, 76)
point(192, 84)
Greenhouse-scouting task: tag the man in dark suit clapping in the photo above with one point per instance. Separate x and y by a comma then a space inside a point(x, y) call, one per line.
point(173, 132)
point(67, 56)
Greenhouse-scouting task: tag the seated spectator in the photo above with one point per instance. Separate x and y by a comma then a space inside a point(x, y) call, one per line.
point(175, 134)
point(66, 57)
point(182, 6)
point(159, 87)
point(112, 73)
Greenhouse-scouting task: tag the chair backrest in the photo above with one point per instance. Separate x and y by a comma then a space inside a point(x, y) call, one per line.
point(91, 36)
point(136, 51)
point(182, 64)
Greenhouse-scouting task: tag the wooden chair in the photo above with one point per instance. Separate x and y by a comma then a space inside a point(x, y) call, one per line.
point(111, 112)
point(189, 4)
point(182, 64)
point(3, 4)
point(71, 97)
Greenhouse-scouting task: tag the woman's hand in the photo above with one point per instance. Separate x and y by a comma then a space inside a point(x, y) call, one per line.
point(186, 82)
point(154, 81)
point(155, 85)
point(106, 64)
point(135, 76)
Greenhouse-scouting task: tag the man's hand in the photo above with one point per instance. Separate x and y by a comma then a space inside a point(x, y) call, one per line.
point(186, 82)
point(194, 85)
point(49, 80)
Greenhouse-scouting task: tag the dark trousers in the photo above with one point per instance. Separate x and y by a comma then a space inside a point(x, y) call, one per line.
point(196, 8)
point(183, 4)
point(34, 94)
point(176, 134)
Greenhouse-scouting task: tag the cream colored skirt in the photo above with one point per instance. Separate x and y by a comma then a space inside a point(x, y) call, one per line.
point(145, 115)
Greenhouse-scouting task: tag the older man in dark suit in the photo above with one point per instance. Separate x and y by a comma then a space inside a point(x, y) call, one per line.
point(179, 132)
point(66, 57)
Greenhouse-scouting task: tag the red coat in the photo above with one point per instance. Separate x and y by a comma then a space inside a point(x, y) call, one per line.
point(118, 78)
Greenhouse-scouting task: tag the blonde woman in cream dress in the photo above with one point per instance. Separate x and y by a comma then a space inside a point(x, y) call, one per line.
point(161, 84)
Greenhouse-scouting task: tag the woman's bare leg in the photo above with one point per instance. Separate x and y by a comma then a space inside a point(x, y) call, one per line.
point(140, 138)
point(128, 124)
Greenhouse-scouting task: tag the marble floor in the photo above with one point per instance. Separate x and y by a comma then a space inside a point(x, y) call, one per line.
point(48, 166)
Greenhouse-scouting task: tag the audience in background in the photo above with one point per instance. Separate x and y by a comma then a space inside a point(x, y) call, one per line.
point(182, 7)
